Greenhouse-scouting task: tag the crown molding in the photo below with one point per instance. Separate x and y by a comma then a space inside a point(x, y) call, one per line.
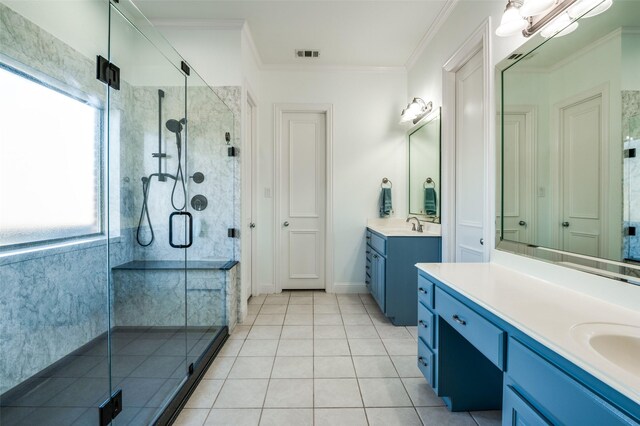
point(246, 31)
point(210, 24)
point(333, 68)
point(431, 32)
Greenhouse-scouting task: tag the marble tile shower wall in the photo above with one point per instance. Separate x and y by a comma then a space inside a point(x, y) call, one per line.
point(631, 185)
point(51, 301)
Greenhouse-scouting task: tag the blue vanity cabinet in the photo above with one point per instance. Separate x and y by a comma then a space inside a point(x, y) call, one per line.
point(390, 272)
point(478, 361)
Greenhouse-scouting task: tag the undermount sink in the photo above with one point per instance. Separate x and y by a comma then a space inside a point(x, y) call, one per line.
point(619, 344)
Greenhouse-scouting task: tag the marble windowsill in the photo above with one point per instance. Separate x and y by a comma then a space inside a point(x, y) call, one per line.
point(547, 311)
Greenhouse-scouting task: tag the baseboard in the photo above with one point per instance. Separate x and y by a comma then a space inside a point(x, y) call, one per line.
point(350, 288)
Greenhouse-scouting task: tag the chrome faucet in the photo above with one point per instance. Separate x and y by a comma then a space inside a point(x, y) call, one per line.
point(420, 227)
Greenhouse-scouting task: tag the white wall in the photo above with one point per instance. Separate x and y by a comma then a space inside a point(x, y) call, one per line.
point(368, 144)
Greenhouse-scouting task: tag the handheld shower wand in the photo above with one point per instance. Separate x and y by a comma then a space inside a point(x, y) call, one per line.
point(176, 127)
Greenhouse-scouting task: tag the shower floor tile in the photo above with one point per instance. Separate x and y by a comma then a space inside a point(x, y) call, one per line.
point(148, 364)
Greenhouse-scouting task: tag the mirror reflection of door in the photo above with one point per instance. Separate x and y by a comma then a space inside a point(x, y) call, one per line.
point(519, 183)
point(582, 166)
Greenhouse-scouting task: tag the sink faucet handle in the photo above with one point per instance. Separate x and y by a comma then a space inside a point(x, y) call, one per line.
point(413, 226)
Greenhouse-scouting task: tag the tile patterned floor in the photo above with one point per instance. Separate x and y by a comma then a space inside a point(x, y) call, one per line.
point(311, 358)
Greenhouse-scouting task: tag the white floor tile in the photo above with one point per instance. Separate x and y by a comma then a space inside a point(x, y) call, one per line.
point(349, 299)
point(384, 393)
point(242, 393)
point(265, 332)
point(249, 320)
point(401, 346)
point(253, 309)
point(421, 393)
point(333, 367)
point(392, 332)
point(287, 417)
point(231, 348)
point(259, 348)
point(297, 332)
point(306, 300)
point(329, 332)
point(393, 417)
point(192, 417)
point(205, 394)
point(240, 332)
point(356, 319)
point(295, 348)
point(374, 366)
point(326, 309)
point(289, 393)
point(340, 417)
point(299, 309)
point(257, 300)
point(276, 300)
point(298, 319)
point(233, 417)
point(353, 309)
point(406, 365)
point(367, 347)
point(293, 367)
point(361, 332)
point(327, 319)
point(273, 309)
point(438, 416)
point(337, 393)
point(220, 367)
point(331, 347)
point(487, 418)
point(269, 319)
point(253, 367)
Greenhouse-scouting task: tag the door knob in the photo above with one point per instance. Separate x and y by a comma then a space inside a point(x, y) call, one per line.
point(252, 225)
point(285, 224)
point(522, 223)
point(565, 224)
point(481, 241)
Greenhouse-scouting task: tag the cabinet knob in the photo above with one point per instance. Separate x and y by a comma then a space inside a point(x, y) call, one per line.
point(565, 224)
point(422, 323)
point(422, 290)
point(422, 361)
point(285, 224)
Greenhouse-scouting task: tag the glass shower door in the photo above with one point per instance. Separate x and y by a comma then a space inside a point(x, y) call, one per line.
point(148, 224)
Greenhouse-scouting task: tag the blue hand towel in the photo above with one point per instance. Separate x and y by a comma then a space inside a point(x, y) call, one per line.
point(430, 204)
point(385, 202)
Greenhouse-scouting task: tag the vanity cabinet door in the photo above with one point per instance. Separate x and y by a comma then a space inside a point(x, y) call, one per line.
point(378, 279)
point(517, 412)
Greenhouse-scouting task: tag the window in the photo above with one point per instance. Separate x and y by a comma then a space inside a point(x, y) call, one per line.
point(50, 174)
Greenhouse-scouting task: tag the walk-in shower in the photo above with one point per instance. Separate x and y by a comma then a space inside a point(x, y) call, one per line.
point(116, 289)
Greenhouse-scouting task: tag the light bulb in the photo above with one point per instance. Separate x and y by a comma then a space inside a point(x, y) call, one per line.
point(511, 23)
point(561, 26)
point(535, 7)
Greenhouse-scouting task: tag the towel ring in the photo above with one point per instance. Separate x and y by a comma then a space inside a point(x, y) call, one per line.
point(386, 181)
point(429, 181)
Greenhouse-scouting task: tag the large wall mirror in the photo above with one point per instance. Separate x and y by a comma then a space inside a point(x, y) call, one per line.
point(424, 168)
point(570, 121)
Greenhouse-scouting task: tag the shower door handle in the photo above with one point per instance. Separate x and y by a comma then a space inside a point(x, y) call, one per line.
point(189, 222)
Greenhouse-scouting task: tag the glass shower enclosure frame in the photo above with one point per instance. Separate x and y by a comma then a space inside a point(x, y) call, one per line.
point(115, 289)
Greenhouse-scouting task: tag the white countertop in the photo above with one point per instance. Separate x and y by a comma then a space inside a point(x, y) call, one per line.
point(393, 227)
point(545, 311)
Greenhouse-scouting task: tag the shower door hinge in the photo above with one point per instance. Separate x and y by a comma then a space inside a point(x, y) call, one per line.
point(107, 73)
point(232, 151)
point(110, 409)
point(233, 233)
point(185, 68)
point(630, 153)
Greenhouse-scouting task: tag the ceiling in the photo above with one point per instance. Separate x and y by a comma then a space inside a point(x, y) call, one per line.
point(378, 33)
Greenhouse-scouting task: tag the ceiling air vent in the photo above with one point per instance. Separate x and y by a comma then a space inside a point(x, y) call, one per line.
point(301, 53)
point(515, 56)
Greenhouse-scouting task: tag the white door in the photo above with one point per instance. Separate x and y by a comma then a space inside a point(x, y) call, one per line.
point(518, 183)
point(302, 200)
point(581, 146)
point(248, 282)
point(470, 162)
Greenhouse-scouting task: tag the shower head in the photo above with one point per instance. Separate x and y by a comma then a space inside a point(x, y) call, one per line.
point(175, 126)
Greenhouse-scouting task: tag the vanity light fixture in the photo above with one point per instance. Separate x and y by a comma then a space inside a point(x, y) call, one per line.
point(553, 17)
point(415, 111)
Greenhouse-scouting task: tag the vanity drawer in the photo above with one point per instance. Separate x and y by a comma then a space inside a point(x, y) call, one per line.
point(425, 325)
point(554, 394)
point(425, 291)
point(426, 360)
point(378, 243)
point(482, 334)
